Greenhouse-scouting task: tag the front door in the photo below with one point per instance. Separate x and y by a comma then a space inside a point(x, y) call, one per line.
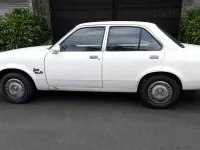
point(130, 53)
point(79, 62)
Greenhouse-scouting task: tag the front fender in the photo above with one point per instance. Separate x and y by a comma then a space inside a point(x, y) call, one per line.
point(38, 79)
point(18, 67)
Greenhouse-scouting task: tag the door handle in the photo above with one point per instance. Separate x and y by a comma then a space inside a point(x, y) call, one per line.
point(94, 57)
point(154, 57)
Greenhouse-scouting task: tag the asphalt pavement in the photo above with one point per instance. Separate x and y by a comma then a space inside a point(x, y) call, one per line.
point(99, 121)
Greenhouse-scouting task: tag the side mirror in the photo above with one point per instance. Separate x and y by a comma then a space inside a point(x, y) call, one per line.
point(56, 49)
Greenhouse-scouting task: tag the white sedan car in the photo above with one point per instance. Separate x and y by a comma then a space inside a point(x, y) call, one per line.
point(105, 57)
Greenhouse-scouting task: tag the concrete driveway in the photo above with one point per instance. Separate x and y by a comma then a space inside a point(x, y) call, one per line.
point(99, 121)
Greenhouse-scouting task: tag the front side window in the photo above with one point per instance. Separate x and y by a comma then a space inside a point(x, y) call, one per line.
point(131, 39)
point(84, 39)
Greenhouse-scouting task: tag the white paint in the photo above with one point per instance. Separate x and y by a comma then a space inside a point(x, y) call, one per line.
point(26, 59)
point(74, 69)
point(113, 71)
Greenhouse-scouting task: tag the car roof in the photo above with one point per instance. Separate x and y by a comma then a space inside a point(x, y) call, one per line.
point(117, 23)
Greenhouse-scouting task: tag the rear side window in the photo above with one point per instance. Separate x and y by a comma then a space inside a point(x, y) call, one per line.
point(131, 39)
point(148, 42)
point(123, 39)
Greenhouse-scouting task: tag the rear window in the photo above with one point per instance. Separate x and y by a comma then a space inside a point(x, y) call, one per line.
point(173, 39)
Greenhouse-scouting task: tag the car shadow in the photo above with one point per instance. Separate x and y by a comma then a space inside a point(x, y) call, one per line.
point(187, 100)
point(87, 97)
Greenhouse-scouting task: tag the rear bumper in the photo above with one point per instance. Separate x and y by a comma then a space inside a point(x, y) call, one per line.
point(194, 85)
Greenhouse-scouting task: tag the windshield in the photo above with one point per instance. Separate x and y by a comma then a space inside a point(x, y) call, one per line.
point(173, 39)
point(50, 47)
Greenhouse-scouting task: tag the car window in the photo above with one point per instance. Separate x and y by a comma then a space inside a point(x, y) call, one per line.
point(84, 39)
point(123, 39)
point(131, 39)
point(148, 42)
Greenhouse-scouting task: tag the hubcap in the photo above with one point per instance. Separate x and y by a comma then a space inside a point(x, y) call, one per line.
point(160, 92)
point(15, 88)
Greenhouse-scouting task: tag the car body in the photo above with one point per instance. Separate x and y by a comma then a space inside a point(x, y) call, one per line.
point(106, 56)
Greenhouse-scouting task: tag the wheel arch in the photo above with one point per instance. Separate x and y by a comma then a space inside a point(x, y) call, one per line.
point(11, 70)
point(172, 75)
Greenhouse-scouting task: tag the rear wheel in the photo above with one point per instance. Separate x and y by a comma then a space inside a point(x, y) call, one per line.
point(160, 91)
point(16, 88)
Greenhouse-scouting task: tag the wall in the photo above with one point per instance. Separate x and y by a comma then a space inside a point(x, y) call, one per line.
point(7, 5)
point(190, 4)
point(41, 7)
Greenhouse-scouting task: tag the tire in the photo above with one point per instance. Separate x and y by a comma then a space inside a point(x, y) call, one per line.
point(160, 91)
point(13, 83)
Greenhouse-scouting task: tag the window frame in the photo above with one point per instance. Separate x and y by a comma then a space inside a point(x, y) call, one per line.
point(104, 27)
point(140, 37)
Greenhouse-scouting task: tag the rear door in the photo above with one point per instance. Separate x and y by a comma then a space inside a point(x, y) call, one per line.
point(131, 52)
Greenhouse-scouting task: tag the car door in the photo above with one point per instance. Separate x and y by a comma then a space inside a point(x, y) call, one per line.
point(131, 52)
point(79, 62)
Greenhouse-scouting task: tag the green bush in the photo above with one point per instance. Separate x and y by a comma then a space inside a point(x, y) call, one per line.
point(190, 27)
point(1, 41)
point(22, 28)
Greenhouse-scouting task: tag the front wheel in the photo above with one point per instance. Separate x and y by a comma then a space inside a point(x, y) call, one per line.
point(16, 88)
point(160, 91)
